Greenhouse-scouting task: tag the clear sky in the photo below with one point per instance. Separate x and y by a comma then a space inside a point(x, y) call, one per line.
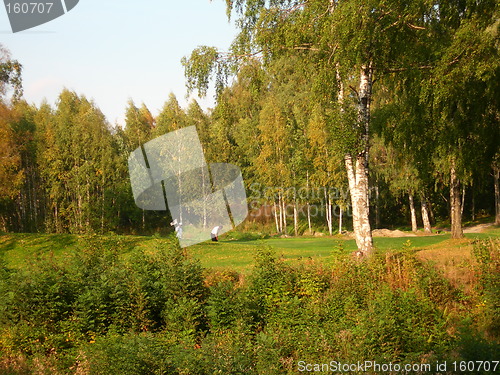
point(115, 50)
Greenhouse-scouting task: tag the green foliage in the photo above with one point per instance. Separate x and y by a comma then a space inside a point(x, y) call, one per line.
point(106, 309)
point(487, 256)
point(10, 75)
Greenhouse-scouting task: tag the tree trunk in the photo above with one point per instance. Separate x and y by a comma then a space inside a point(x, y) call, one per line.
point(340, 220)
point(456, 210)
point(295, 218)
point(463, 201)
point(473, 203)
point(496, 177)
point(330, 214)
point(377, 206)
point(308, 206)
point(357, 165)
point(357, 168)
point(280, 212)
point(328, 211)
point(414, 227)
point(276, 220)
point(284, 214)
point(309, 217)
point(358, 186)
point(431, 212)
point(425, 215)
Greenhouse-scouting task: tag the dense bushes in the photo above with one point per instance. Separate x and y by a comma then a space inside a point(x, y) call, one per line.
point(103, 310)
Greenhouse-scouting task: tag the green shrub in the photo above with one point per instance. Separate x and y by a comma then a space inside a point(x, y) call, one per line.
point(487, 256)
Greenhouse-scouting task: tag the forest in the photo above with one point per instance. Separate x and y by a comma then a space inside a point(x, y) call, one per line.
point(411, 133)
point(344, 117)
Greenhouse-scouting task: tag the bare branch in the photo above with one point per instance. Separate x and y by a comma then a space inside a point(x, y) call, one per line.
point(414, 27)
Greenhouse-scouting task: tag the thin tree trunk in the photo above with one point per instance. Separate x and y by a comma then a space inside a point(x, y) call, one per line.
point(463, 201)
point(280, 205)
point(473, 203)
point(276, 220)
point(431, 212)
point(205, 195)
point(284, 215)
point(496, 178)
point(309, 217)
point(456, 210)
point(295, 219)
point(330, 226)
point(328, 211)
point(308, 206)
point(425, 215)
point(377, 206)
point(56, 217)
point(414, 227)
point(340, 219)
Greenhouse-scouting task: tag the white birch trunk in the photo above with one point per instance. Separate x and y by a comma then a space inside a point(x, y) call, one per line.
point(357, 167)
point(330, 226)
point(340, 220)
point(276, 220)
point(295, 219)
point(358, 186)
point(463, 201)
point(309, 217)
point(414, 227)
point(328, 212)
point(425, 215)
point(280, 212)
point(284, 214)
point(308, 206)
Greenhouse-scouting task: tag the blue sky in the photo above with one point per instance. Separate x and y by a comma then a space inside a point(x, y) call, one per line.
point(115, 50)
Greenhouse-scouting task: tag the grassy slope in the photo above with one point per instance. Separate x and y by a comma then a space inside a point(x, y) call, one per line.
point(18, 249)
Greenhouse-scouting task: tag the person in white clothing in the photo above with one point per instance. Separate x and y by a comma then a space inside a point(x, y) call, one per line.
point(178, 228)
point(215, 233)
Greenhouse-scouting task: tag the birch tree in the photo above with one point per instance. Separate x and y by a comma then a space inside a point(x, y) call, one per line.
point(463, 94)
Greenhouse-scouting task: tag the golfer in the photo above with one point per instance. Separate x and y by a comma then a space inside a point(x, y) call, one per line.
point(178, 228)
point(215, 233)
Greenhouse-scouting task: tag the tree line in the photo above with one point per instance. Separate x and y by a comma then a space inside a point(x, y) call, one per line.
point(396, 103)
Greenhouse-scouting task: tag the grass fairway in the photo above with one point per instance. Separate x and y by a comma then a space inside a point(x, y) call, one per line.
point(19, 249)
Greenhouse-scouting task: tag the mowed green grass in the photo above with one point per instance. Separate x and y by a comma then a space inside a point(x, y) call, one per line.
point(19, 249)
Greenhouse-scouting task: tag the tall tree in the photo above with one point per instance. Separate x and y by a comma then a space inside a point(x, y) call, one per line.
point(463, 93)
point(11, 173)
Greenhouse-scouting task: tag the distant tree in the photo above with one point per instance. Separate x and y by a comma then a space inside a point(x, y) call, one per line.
point(11, 173)
point(172, 117)
point(139, 124)
point(76, 164)
point(10, 75)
